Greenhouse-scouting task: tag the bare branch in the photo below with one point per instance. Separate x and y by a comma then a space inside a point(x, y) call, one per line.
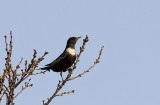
point(59, 84)
point(97, 61)
point(81, 50)
point(6, 88)
point(42, 72)
point(23, 88)
point(65, 93)
point(4, 92)
point(6, 43)
point(11, 77)
point(9, 69)
point(31, 67)
point(18, 66)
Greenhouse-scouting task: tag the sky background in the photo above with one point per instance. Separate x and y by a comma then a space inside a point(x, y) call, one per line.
point(129, 72)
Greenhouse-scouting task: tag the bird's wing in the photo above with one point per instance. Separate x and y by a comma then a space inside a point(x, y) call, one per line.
point(62, 56)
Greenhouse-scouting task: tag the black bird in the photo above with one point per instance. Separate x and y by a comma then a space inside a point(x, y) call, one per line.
point(65, 60)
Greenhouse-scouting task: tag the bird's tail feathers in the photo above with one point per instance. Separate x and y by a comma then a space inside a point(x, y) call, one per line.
point(44, 68)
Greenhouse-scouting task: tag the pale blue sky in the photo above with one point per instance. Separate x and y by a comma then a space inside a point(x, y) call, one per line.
point(129, 72)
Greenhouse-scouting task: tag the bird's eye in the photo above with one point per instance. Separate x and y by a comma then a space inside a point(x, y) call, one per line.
point(73, 38)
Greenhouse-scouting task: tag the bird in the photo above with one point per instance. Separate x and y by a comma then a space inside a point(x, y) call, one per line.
point(65, 60)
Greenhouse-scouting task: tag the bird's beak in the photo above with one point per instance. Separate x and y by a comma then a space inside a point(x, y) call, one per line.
point(78, 38)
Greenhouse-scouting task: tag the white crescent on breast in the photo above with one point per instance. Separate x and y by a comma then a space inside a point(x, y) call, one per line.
point(71, 51)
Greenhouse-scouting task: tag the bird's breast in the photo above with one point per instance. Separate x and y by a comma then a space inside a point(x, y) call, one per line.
point(71, 51)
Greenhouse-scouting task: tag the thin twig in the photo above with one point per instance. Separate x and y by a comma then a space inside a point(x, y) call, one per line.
point(31, 67)
point(6, 88)
point(97, 61)
point(65, 93)
point(42, 72)
point(18, 66)
point(23, 88)
point(5, 92)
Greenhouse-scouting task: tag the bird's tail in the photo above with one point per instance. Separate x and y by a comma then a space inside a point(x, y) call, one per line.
point(44, 68)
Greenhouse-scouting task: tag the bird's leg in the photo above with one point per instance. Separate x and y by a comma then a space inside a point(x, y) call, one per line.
point(61, 75)
point(69, 70)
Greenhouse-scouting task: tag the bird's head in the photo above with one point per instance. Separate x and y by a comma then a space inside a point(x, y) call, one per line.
point(72, 41)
